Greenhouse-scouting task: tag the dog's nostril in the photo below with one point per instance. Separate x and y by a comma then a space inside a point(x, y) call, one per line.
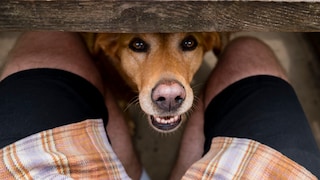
point(160, 99)
point(179, 99)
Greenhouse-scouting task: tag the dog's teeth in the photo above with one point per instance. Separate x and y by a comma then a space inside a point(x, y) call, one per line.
point(166, 120)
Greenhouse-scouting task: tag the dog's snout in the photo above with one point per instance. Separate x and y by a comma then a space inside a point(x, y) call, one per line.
point(168, 95)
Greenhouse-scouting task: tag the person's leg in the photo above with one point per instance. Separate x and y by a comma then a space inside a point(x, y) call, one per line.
point(120, 138)
point(192, 142)
point(57, 50)
point(58, 64)
point(243, 57)
point(259, 104)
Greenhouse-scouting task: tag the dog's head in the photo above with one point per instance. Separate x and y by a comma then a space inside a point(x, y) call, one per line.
point(161, 67)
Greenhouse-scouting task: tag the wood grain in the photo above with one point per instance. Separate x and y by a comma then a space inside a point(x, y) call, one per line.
point(159, 16)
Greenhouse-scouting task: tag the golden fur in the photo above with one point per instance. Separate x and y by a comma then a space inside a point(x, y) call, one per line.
point(146, 60)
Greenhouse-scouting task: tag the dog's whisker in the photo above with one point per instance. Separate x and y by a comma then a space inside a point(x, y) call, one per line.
point(197, 85)
point(196, 99)
point(134, 101)
point(197, 88)
point(193, 107)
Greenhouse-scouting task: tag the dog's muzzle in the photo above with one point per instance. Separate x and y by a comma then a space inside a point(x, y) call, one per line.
point(167, 97)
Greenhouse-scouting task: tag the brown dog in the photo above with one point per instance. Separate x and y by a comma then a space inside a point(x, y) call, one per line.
point(160, 67)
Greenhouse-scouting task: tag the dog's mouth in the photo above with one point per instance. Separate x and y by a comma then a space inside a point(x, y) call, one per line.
point(166, 123)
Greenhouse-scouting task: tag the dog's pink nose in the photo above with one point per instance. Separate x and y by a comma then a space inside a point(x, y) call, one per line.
point(168, 95)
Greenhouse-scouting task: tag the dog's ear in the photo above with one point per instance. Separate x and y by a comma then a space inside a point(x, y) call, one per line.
point(89, 40)
point(107, 43)
point(215, 41)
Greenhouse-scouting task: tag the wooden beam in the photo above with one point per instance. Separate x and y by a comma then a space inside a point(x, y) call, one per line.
point(159, 16)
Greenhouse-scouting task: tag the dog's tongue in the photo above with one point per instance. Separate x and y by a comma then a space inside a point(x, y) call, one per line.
point(165, 123)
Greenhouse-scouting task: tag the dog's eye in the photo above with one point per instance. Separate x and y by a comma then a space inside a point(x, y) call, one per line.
point(189, 43)
point(138, 45)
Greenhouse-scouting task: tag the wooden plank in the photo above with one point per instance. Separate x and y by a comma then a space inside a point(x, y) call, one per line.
point(159, 16)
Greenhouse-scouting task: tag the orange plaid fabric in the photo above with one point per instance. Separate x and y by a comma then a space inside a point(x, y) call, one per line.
point(75, 151)
point(236, 158)
point(82, 151)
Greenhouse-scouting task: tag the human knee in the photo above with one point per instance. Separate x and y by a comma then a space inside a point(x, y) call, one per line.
point(53, 50)
point(239, 42)
point(247, 48)
point(252, 56)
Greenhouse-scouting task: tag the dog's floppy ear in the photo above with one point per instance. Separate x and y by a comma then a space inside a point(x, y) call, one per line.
point(89, 40)
point(107, 43)
point(215, 41)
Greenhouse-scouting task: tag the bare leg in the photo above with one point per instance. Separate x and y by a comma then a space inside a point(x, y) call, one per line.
point(65, 51)
point(52, 50)
point(192, 143)
point(121, 140)
point(242, 58)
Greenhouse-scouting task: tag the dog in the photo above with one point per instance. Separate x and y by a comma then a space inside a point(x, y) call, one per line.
point(159, 67)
